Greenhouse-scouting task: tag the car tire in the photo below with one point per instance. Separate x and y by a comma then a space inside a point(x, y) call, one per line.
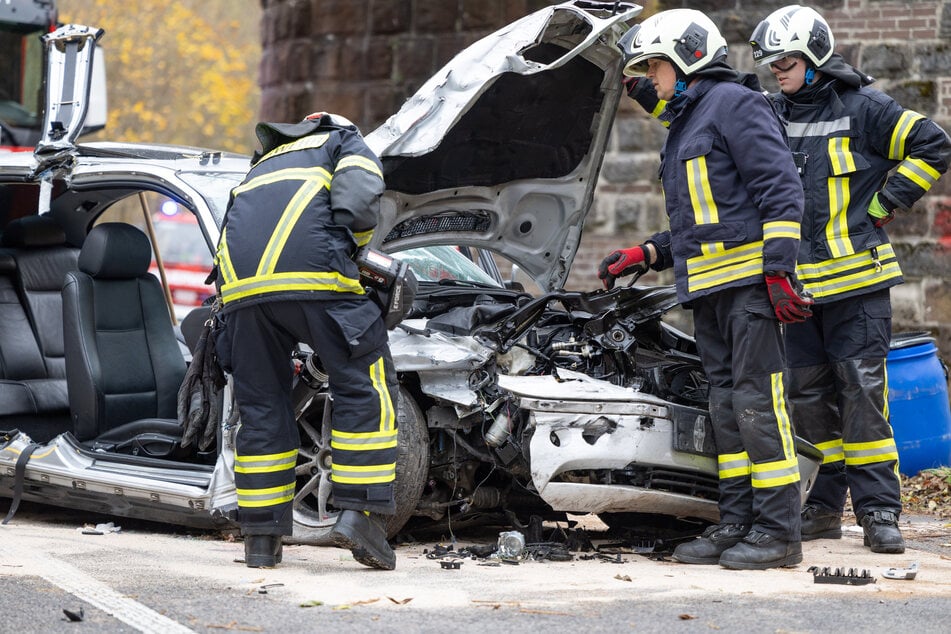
point(412, 463)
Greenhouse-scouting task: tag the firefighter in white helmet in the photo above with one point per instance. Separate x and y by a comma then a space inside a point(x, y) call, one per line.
point(734, 201)
point(846, 139)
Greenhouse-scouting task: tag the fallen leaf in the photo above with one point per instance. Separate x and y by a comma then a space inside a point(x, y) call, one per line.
point(622, 577)
point(365, 601)
point(311, 604)
point(686, 617)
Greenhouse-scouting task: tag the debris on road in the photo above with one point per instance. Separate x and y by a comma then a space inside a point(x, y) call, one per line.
point(902, 573)
point(850, 577)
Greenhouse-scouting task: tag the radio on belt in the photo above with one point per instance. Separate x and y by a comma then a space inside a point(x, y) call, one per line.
point(389, 282)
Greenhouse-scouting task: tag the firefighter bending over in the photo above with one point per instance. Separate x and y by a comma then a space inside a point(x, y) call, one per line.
point(286, 275)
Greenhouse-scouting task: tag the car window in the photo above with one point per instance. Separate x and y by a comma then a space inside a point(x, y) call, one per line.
point(435, 263)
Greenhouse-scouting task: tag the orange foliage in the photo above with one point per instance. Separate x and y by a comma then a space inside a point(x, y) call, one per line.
point(181, 72)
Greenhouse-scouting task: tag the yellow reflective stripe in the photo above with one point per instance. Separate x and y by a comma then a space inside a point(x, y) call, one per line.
point(265, 463)
point(774, 474)
point(360, 441)
point(831, 451)
point(780, 229)
point(298, 203)
point(265, 497)
point(363, 237)
point(733, 465)
point(305, 143)
point(838, 265)
point(289, 174)
point(658, 109)
point(378, 380)
point(781, 412)
point(709, 270)
point(225, 266)
point(859, 453)
point(837, 228)
point(355, 160)
point(832, 277)
point(896, 146)
point(919, 172)
point(705, 210)
point(841, 156)
point(300, 281)
point(363, 474)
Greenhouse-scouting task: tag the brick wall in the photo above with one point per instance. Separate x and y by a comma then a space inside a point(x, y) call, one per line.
point(363, 58)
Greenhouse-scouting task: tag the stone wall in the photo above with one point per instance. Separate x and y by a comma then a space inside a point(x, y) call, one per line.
point(363, 58)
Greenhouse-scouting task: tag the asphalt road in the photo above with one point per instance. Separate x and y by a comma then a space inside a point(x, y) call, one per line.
point(150, 578)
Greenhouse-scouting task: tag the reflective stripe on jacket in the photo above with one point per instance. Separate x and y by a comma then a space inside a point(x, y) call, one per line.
point(850, 139)
point(732, 193)
point(294, 223)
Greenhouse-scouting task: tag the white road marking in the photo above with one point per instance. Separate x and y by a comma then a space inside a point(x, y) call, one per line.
point(95, 592)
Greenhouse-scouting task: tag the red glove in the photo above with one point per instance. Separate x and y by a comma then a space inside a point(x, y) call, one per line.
point(623, 262)
point(790, 301)
point(880, 214)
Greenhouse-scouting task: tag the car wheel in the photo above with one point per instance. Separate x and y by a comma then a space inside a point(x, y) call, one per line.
point(314, 513)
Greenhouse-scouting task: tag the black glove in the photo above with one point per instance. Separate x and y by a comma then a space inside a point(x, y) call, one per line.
point(790, 301)
point(623, 262)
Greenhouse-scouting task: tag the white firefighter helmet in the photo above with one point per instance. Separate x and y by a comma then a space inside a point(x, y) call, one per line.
point(686, 37)
point(792, 30)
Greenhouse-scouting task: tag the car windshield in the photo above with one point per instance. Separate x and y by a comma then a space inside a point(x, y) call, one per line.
point(437, 263)
point(215, 188)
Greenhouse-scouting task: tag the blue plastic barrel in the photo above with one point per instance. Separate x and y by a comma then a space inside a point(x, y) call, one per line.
point(918, 401)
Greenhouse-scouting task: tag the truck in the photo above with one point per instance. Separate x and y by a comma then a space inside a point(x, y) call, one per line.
point(23, 79)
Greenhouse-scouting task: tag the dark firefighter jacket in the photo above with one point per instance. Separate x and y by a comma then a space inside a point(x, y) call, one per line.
point(312, 196)
point(849, 138)
point(732, 192)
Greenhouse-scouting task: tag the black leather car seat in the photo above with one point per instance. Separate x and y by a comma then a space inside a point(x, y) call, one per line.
point(124, 365)
point(34, 261)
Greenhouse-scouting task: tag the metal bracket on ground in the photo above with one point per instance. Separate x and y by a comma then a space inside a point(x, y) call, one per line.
point(902, 573)
point(848, 577)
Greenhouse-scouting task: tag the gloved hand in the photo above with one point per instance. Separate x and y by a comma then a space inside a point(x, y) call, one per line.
point(634, 85)
point(880, 215)
point(790, 301)
point(623, 262)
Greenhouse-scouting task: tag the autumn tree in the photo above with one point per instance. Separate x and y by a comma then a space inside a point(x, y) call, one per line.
point(182, 72)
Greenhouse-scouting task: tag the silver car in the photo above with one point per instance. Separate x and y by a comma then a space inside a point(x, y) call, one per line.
point(512, 403)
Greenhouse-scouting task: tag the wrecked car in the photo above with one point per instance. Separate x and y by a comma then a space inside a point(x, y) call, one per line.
point(511, 403)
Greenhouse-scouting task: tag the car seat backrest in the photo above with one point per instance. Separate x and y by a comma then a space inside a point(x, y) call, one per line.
point(38, 246)
point(20, 356)
point(123, 362)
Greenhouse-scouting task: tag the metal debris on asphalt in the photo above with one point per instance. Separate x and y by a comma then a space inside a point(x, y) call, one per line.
point(902, 573)
point(848, 577)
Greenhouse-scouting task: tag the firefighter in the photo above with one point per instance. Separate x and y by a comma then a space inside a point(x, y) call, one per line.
point(846, 139)
point(734, 202)
point(286, 276)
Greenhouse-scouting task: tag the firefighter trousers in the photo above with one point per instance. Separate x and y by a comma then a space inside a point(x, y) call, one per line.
point(838, 395)
point(741, 347)
point(349, 338)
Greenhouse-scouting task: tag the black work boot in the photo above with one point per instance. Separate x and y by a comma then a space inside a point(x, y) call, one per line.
point(882, 534)
point(759, 551)
point(820, 523)
point(365, 535)
point(262, 551)
point(707, 548)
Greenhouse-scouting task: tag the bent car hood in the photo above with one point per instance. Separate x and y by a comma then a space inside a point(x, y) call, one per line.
point(501, 149)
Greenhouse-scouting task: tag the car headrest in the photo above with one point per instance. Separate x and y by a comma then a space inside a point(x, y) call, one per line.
point(115, 250)
point(33, 231)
